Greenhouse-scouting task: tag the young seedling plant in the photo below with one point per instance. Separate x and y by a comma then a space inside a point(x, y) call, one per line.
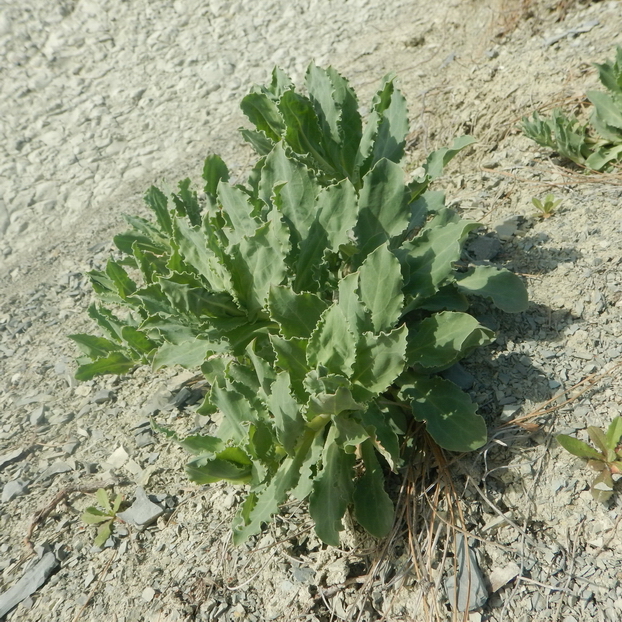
point(596, 145)
point(320, 299)
point(104, 515)
point(606, 458)
point(547, 207)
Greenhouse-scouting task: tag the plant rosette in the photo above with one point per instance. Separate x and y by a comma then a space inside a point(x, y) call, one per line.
point(320, 299)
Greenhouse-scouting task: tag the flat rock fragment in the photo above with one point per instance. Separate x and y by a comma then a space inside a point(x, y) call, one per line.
point(143, 512)
point(470, 592)
point(15, 488)
point(30, 582)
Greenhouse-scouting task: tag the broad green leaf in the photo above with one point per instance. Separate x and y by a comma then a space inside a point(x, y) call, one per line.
point(258, 141)
point(428, 259)
point(444, 338)
point(357, 316)
point(228, 466)
point(380, 359)
point(373, 507)
point(578, 448)
point(125, 241)
point(392, 129)
point(93, 516)
point(610, 73)
point(158, 202)
point(607, 111)
point(447, 298)
point(383, 432)
point(237, 412)
point(438, 160)
point(602, 156)
point(114, 363)
point(118, 500)
point(380, 284)
point(504, 288)
point(383, 209)
point(257, 263)
point(337, 207)
point(188, 354)
point(332, 343)
point(95, 346)
point(103, 533)
point(332, 492)
point(614, 431)
point(296, 194)
point(303, 132)
point(102, 498)
point(332, 403)
point(598, 437)
point(291, 356)
point(202, 444)
point(288, 420)
point(187, 203)
point(310, 268)
point(238, 211)
point(450, 415)
point(214, 171)
point(296, 314)
point(263, 113)
point(350, 433)
point(137, 340)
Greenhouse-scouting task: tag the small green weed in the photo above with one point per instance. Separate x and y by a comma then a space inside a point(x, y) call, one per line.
point(606, 459)
point(103, 516)
point(595, 145)
point(547, 208)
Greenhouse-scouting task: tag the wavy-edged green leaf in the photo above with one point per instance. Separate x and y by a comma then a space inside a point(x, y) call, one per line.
point(608, 111)
point(444, 338)
point(187, 202)
point(380, 284)
point(291, 356)
point(188, 354)
point(332, 403)
point(237, 412)
point(214, 171)
point(332, 492)
point(380, 359)
point(438, 160)
point(504, 288)
point(383, 431)
point(238, 211)
point(602, 156)
point(262, 111)
point(332, 344)
point(447, 298)
point(94, 346)
point(450, 415)
point(258, 141)
point(338, 209)
point(357, 315)
point(115, 363)
point(296, 314)
point(373, 507)
point(288, 420)
point(158, 202)
point(231, 465)
point(138, 340)
point(428, 259)
point(383, 208)
point(258, 262)
point(350, 432)
point(392, 128)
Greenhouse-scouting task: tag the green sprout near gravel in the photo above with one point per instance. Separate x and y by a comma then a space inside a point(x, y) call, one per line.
point(606, 458)
point(104, 515)
point(547, 207)
point(320, 300)
point(596, 145)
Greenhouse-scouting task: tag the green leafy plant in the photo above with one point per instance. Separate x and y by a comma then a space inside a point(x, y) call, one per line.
point(606, 458)
point(548, 207)
point(320, 299)
point(595, 145)
point(104, 515)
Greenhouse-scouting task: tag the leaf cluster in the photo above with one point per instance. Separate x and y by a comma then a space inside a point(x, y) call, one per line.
point(595, 145)
point(606, 458)
point(547, 207)
point(104, 515)
point(320, 299)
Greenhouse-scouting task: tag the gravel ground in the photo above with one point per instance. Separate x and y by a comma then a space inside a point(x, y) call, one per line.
point(101, 99)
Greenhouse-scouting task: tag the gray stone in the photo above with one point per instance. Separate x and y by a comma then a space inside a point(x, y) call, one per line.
point(37, 416)
point(470, 590)
point(144, 439)
point(103, 396)
point(15, 488)
point(30, 582)
point(54, 469)
point(303, 575)
point(12, 456)
point(143, 512)
point(507, 228)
